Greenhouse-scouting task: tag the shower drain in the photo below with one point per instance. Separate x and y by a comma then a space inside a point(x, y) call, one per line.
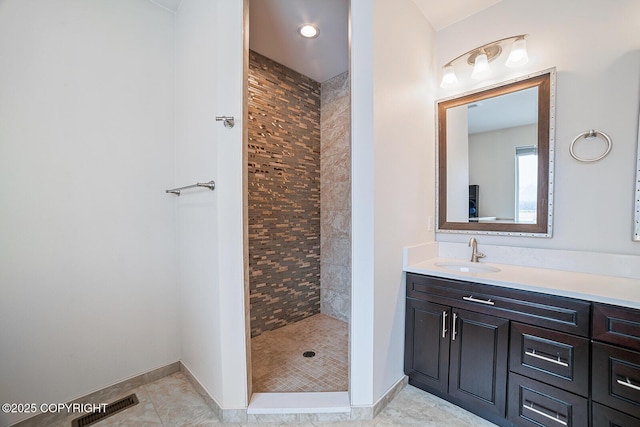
point(309, 354)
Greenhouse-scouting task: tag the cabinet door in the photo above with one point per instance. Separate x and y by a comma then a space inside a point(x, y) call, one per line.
point(478, 372)
point(534, 404)
point(555, 358)
point(617, 325)
point(607, 417)
point(427, 344)
point(616, 378)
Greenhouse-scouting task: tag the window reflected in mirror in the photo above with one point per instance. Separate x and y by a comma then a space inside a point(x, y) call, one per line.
point(526, 178)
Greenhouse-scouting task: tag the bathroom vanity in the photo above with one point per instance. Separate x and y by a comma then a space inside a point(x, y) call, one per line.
point(518, 344)
point(517, 356)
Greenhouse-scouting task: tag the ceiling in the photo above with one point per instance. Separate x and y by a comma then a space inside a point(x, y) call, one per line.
point(274, 24)
point(273, 32)
point(169, 4)
point(441, 14)
point(505, 111)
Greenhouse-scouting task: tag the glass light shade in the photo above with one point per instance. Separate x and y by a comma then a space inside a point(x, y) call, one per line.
point(518, 55)
point(481, 67)
point(448, 77)
point(308, 31)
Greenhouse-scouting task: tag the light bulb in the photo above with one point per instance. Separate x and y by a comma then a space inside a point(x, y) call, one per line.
point(481, 67)
point(308, 31)
point(448, 77)
point(518, 55)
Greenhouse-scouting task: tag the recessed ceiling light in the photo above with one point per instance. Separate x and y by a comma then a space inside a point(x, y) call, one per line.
point(308, 31)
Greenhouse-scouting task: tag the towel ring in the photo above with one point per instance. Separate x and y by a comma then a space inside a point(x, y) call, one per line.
point(591, 134)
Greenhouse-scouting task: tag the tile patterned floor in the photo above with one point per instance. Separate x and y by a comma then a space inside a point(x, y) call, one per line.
point(414, 407)
point(170, 401)
point(279, 366)
point(173, 402)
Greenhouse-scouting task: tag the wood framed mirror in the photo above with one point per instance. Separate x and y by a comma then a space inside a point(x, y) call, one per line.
point(636, 207)
point(495, 158)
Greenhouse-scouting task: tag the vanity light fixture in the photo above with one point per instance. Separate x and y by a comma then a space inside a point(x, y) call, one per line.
point(518, 55)
point(308, 31)
point(448, 76)
point(481, 67)
point(480, 58)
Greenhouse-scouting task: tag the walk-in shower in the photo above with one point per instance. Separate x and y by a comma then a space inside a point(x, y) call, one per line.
point(299, 210)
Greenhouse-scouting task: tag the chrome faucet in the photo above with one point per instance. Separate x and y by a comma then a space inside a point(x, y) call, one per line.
point(473, 244)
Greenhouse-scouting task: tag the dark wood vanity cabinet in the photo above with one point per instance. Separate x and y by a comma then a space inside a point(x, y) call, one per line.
point(477, 361)
point(533, 403)
point(426, 356)
point(615, 366)
point(458, 353)
point(603, 416)
point(520, 358)
point(548, 378)
point(619, 326)
point(555, 358)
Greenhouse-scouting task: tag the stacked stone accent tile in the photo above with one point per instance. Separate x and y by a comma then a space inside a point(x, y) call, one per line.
point(283, 195)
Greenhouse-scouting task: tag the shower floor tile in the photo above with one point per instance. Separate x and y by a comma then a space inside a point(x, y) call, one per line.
point(278, 365)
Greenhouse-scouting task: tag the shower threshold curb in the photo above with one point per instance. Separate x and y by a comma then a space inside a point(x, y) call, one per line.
point(299, 403)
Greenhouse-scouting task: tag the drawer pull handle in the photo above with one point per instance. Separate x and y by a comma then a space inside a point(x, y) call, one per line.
point(628, 383)
point(481, 301)
point(444, 324)
point(533, 353)
point(556, 418)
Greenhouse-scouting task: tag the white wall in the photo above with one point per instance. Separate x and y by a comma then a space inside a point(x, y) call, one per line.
point(361, 335)
point(209, 46)
point(196, 153)
point(231, 25)
point(404, 82)
point(392, 54)
point(87, 259)
point(458, 164)
point(497, 182)
point(595, 45)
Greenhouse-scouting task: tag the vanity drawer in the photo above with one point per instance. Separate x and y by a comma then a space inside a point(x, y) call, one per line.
point(532, 403)
point(616, 378)
point(549, 311)
point(603, 416)
point(617, 325)
point(555, 358)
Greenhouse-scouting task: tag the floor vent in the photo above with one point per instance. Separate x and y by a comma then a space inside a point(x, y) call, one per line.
point(110, 409)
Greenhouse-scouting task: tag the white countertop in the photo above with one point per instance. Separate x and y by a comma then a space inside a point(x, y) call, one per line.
point(599, 288)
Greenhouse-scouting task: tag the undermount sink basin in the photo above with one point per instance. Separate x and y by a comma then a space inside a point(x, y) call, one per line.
point(467, 267)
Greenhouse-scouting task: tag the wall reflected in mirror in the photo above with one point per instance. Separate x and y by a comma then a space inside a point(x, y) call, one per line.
point(636, 206)
point(494, 153)
point(501, 132)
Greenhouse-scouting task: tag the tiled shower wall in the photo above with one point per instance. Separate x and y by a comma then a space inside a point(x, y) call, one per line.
point(335, 198)
point(284, 195)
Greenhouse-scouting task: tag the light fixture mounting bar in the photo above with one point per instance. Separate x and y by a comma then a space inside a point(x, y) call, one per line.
point(492, 50)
